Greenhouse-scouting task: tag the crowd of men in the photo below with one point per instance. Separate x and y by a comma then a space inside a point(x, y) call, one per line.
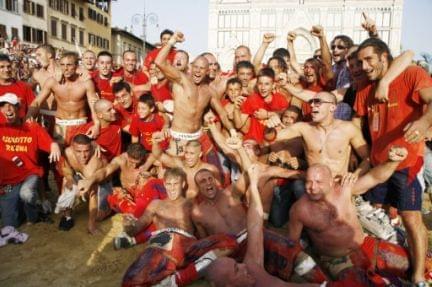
point(247, 177)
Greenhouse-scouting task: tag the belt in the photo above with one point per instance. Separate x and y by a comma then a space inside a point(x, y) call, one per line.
point(186, 136)
point(70, 122)
point(172, 230)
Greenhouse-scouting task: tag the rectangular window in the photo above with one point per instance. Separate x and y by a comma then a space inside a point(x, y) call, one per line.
point(12, 5)
point(26, 6)
point(72, 34)
point(3, 31)
point(27, 33)
point(64, 31)
point(54, 27)
point(81, 37)
point(40, 11)
point(81, 14)
point(14, 32)
point(73, 12)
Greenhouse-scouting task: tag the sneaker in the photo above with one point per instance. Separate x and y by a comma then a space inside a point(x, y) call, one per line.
point(66, 223)
point(123, 241)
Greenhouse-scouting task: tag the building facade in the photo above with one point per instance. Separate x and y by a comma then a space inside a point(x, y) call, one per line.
point(10, 20)
point(34, 22)
point(79, 25)
point(122, 40)
point(236, 22)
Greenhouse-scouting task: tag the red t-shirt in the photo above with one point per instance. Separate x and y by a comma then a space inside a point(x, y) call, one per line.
point(109, 139)
point(161, 92)
point(103, 87)
point(137, 78)
point(23, 141)
point(145, 129)
point(124, 117)
point(255, 102)
point(387, 120)
point(151, 56)
point(24, 93)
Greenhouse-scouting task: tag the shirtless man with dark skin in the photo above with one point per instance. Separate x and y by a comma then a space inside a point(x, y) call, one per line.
point(226, 271)
point(72, 95)
point(81, 159)
point(191, 95)
point(326, 211)
point(191, 163)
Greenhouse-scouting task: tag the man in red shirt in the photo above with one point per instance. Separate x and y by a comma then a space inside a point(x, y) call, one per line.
point(261, 106)
point(124, 104)
point(398, 121)
point(9, 85)
point(146, 122)
point(19, 145)
point(138, 80)
point(165, 35)
point(88, 68)
point(103, 80)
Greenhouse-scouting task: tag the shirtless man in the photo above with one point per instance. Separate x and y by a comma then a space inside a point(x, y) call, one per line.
point(191, 163)
point(328, 140)
point(329, 217)
point(172, 246)
point(81, 161)
point(71, 94)
point(45, 57)
point(191, 95)
point(227, 272)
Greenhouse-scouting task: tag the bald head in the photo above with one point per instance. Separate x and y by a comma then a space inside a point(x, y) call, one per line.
point(102, 105)
point(320, 168)
point(327, 96)
point(201, 60)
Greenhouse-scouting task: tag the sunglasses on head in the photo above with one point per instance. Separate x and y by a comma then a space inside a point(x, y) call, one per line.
point(318, 101)
point(340, 47)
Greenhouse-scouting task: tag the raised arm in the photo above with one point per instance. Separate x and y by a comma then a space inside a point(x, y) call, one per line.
point(169, 71)
point(259, 56)
point(255, 213)
point(218, 108)
point(318, 31)
point(382, 172)
point(34, 107)
point(293, 58)
point(398, 65)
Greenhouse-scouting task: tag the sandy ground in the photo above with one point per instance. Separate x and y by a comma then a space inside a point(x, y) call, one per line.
point(56, 258)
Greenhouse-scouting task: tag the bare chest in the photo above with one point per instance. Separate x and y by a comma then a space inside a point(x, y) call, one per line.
point(70, 92)
point(333, 143)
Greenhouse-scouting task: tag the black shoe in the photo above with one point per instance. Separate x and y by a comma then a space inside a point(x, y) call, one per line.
point(66, 224)
point(123, 241)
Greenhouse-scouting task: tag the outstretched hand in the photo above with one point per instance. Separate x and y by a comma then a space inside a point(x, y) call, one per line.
point(369, 24)
point(177, 37)
point(234, 141)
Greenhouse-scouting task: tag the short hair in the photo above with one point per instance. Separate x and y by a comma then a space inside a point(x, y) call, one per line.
point(72, 55)
point(4, 58)
point(104, 53)
point(128, 51)
point(184, 52)
point(345, 39)
point(47, 48)
point(120, 86)
point(136, 151)
point(89, 51)
point(193, 143)
point(166, 32)
point(148, 100)
point(81, 139)
point(266, 72)
point(201, 171)
point(294, 109)
point(281, 52)
point(378, 45)
point(282, 64)
point(244, 47)
point(233, 81)
point(175, 172)
point(245, 65)
point(207, 54)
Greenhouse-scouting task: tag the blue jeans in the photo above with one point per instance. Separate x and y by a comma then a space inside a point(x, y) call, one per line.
point(24, 192)
point(283, 198)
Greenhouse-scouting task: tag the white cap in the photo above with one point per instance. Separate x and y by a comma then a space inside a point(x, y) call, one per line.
point(9, 98)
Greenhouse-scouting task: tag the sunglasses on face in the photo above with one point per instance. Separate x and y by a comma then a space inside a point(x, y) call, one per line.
point(318, 102)
point(340, 47)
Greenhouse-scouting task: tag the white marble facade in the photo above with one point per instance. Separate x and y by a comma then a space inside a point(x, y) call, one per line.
point(236, 22)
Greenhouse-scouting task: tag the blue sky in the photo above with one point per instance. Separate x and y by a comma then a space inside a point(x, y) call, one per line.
point(191, 17)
